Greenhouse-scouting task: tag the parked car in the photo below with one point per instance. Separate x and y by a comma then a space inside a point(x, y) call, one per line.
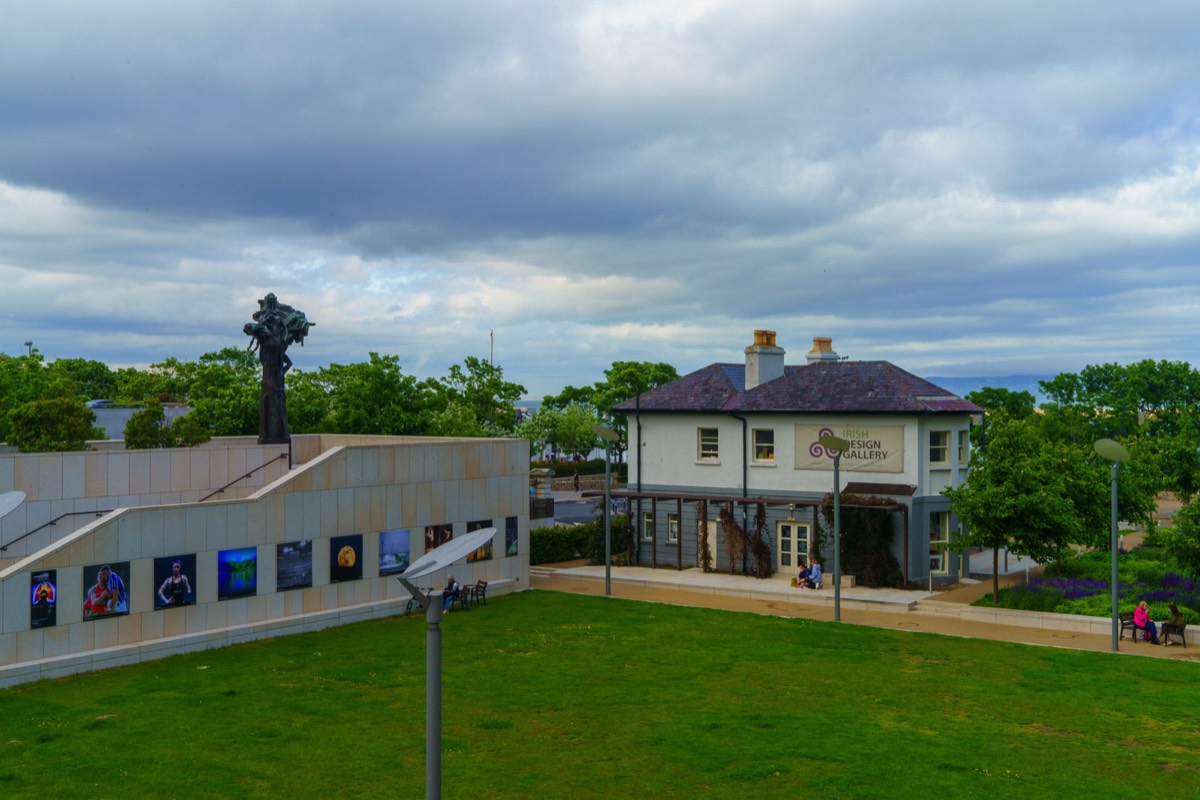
point(99, 403)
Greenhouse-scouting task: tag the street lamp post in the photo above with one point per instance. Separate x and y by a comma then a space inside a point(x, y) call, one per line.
point(609, 436)
point(1117, 454)
point(431, 601)
point(837, 446)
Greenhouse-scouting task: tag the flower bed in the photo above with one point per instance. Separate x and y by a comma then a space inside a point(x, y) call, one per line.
point(1082, 586)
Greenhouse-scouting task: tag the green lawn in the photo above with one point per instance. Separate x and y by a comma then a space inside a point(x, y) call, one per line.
point(552, 695)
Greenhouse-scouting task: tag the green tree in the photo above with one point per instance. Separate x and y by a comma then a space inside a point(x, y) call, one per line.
point(575, 431)
point(1017, 405)
point(480, 386)
point(622, 381)
point(1032, 496)
point(376, 397)
point(84, 377)
point(24, 379)
point(456, 419)
point(56, 424)
point(539, 428)
point(187, 431)
point(147, 429)
point(308, 402)
point(224, 391)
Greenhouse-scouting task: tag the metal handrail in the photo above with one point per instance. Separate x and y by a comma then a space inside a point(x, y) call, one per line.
point(247, 475)
point(54, 522)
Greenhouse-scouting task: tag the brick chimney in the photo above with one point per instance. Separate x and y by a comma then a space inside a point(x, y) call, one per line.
point(764, 361)
point(822, 351)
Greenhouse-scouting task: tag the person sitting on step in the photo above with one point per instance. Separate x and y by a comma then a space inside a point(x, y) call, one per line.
point(813, 581)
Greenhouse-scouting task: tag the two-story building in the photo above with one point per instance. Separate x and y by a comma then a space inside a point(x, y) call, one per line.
point(741, 436)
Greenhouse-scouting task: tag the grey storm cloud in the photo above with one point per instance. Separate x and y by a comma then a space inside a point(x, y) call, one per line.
point(960, 188)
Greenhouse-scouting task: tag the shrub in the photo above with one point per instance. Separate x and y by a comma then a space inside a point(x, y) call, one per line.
point(552, 545)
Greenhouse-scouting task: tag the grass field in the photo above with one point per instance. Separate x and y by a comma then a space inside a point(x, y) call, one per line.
point(553, 695)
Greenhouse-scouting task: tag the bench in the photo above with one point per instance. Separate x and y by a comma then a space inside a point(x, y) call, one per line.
point(476, 593)
point(1169, 630)
point(1127, 624)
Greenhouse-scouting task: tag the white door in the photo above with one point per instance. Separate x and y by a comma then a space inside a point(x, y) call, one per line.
point(791, 551)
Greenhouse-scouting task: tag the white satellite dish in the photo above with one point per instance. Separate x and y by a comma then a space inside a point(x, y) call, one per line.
point(448, 553)
point(9, 502)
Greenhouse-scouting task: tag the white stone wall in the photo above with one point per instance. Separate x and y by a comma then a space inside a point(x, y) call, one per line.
point(58, 483)
point(670, 447)
point(354, 486)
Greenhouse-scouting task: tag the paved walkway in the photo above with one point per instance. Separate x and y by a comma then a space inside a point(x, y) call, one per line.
point(884, 608)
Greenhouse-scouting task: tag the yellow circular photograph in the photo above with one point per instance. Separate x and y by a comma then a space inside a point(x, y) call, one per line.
point(346, 556)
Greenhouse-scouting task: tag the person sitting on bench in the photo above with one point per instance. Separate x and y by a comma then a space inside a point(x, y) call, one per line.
point(813, 581)
point(1176, 620)
point(1141, 618)
point(450, 594)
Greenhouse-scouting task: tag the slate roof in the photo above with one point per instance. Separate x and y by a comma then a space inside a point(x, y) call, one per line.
point(843, 387)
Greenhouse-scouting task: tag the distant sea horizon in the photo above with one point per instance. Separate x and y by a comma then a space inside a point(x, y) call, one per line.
point(962, 386)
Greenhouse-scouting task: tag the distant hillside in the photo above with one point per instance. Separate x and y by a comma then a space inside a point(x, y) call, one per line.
point(1014, 383)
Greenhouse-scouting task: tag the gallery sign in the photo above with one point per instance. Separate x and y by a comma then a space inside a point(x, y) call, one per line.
point(873, 448)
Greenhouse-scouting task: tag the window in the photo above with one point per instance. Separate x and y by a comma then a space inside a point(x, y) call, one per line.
point(964, 447)
point(939, 447)
point(707, 450)
point(672, 527)
point(764, 445)
point(647, 526)
point(939, 540)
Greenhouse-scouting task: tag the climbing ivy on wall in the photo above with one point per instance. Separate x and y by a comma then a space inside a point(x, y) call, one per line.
point(867, 535)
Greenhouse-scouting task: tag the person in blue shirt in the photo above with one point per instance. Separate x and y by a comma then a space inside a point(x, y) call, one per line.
point(813, 581)
point(450, 594)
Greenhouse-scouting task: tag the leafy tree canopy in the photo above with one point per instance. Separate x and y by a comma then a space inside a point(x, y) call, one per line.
point(56, 424)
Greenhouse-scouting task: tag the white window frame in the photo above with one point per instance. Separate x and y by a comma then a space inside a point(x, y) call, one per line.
point(647, 526)
point(964, 447)
point(672, 527)
point(939, 442)
point(764, 452)
point(708, 444)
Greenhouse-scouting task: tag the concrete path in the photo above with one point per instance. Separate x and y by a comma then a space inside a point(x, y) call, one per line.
point(883, 608)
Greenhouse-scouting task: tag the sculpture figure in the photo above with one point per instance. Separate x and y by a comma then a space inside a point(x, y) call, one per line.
point(275, 326)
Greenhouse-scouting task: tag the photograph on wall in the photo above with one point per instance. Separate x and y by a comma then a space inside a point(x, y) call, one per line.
point(237, 573)
point(510, 536)
point(437, 535)
point(345, 558)
point(293, 565)
point(480, 553)
point(174, 578)
point(43, 611)
point(106, 590)
point(393, 551)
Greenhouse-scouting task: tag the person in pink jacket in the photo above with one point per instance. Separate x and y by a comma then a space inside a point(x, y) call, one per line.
point(1141, 618)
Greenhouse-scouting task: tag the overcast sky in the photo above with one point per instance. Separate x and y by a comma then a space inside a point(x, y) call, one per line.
point(983, 188)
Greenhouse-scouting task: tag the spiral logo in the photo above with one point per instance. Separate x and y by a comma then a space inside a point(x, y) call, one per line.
point(816, 450)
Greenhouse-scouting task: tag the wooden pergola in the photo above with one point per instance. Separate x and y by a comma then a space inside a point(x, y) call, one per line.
point(750, 501)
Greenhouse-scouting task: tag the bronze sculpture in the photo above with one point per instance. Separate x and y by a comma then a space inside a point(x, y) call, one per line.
point(275, 326)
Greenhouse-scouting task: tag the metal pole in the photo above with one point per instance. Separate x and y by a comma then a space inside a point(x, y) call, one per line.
point(433, 698)
point(837, 538)
point(607, 520)
point(1116, 636)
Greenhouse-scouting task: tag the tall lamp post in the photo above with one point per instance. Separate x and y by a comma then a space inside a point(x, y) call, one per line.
point(609, 436)
point(837, 446)
point(1117, 454)
point(431, 601)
